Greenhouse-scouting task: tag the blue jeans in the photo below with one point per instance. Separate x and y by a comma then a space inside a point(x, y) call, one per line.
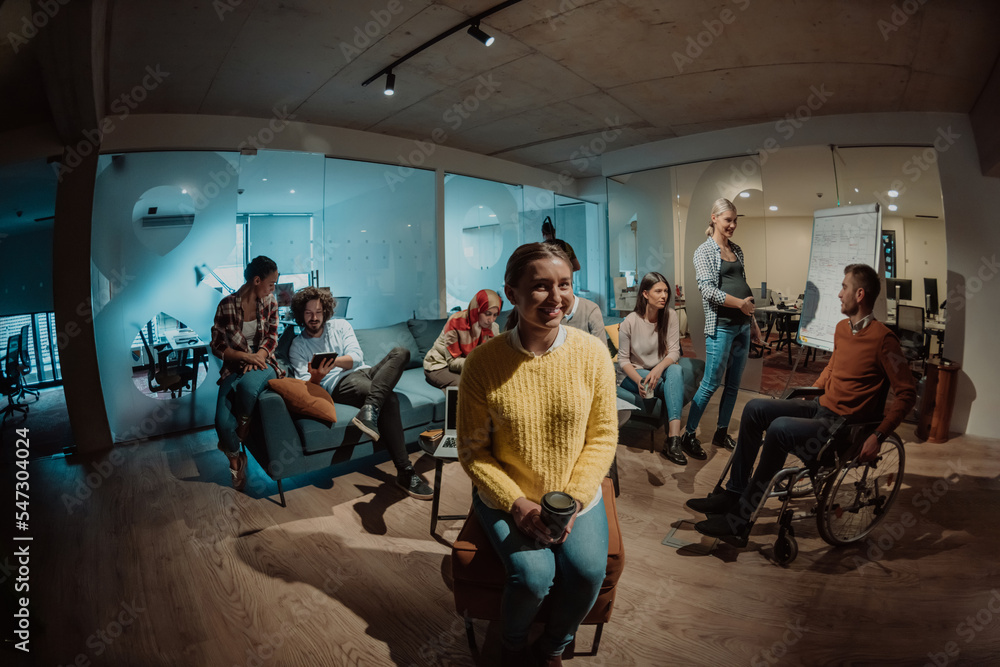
point(725, 352)
point(237, 397)
point(670, 389)
point(570, 574)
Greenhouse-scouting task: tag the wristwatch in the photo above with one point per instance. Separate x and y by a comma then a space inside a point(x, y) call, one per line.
point(880, 436)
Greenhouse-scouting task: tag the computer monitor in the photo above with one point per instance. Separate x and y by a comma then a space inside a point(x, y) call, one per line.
point(931, 296)
point(283, 292)
point(905, 288)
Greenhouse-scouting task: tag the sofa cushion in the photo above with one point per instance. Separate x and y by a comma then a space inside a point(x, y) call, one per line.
point(376, 343)
point(425, 332)
point(320, 436)
point(305, 398)
point(419, 402)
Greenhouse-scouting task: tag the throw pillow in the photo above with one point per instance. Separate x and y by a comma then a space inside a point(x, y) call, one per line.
point(305, 398)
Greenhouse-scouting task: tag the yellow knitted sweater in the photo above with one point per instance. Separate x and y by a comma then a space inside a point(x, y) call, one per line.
point(529, 425)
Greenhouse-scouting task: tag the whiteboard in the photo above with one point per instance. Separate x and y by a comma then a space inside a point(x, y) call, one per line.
point(841, 236)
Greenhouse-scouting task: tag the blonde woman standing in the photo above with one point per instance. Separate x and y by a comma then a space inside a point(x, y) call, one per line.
point(729, 325)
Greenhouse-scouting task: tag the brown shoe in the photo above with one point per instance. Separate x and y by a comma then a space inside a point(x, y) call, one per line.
point(544, 660)
point(238, 469)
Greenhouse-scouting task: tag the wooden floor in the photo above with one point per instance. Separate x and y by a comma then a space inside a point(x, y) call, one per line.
point(148, 557)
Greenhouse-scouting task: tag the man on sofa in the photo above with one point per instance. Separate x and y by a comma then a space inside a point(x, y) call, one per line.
point(351, 382)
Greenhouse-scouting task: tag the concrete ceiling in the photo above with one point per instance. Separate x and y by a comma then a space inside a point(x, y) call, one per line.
point(560, 73)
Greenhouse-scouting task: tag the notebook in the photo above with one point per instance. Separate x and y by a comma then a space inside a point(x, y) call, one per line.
point(447, 446)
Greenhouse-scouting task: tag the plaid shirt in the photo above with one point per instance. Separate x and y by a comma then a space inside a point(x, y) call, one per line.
point(707, 268)
point(227, 332)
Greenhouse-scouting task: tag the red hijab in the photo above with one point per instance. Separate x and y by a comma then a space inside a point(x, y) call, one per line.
point(466, 323)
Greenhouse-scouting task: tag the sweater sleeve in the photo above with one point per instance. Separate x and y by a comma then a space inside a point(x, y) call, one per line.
point(625, 342)
point(824, 376)
point(595, 324)
point(475, 443)
point(904, 390)
point(602, 433)
point(673, 337)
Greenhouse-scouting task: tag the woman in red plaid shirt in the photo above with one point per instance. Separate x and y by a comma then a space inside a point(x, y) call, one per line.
point(244, 336)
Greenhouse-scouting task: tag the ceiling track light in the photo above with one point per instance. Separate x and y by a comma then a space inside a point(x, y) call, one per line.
point(478, 33)
point(473, 28)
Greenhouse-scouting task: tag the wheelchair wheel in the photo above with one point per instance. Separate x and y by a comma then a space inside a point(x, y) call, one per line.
point(785, 549)
point(857, 496)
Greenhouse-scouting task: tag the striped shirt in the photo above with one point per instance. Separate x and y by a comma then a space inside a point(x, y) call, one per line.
point(227, 332)
point(707, 271)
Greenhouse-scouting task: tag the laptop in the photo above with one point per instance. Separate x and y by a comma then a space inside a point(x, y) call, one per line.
point(448, 445)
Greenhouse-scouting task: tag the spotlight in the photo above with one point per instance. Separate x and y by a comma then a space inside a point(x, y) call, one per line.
point(476, 32)
point(390, 83)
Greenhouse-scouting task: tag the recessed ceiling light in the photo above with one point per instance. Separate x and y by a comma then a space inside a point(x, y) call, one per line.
point(744, 194)
point(291, 192)
point(363, 231)
point(856, 190)
point(773, 208)
point(184, 191)
point(893, 193)
point(263, 179)
point(893, 207)
point(409, 225)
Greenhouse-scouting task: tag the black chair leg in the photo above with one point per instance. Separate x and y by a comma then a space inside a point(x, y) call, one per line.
point(597, 638)
point(613, 473)
point(470, 634)
point(281, 492)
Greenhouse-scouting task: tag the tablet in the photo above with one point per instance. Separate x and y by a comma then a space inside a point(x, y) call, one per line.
point(321, 357)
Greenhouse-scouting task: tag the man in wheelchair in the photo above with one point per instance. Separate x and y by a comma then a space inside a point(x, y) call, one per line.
point(865, 354)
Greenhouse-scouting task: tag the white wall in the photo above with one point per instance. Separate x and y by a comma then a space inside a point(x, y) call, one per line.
point(972, 235)
point(925, 256)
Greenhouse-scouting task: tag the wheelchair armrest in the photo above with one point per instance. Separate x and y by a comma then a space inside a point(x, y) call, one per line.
point(802, 392)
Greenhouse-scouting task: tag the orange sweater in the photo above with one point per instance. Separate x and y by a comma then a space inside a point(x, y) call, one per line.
point(860, 362)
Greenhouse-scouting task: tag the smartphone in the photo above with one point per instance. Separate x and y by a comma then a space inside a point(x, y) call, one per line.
point(321, 357)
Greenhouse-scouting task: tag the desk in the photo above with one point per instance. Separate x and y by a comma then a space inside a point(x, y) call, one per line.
point(788, 336)
point(181, 341)
point(428, 448)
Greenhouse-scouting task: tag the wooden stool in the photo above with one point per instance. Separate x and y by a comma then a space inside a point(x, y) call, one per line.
point(479, 575)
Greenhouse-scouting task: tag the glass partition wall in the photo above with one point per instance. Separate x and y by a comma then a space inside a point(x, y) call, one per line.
point(173, 231)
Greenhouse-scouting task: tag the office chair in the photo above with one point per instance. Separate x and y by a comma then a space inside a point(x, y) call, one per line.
point(913, 340)
point(163, 379)
point(25, 366)
point(10, 379)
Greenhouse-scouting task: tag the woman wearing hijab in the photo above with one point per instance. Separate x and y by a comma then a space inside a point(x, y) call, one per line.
point(462, 333)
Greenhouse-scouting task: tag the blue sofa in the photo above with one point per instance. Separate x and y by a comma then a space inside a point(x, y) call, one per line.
point(287, 445)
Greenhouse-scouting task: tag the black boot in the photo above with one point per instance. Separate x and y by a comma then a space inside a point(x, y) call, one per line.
point(367, 421)
point(690, 444)
point(672, 451)
point(723, 439)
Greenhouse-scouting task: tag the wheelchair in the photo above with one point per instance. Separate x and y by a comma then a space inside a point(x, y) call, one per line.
point(852, 498)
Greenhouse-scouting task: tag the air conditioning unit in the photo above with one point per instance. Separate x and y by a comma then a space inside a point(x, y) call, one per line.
point(185, 220)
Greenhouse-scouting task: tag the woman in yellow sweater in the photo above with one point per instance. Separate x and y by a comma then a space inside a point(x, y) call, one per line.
point(536, 413)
